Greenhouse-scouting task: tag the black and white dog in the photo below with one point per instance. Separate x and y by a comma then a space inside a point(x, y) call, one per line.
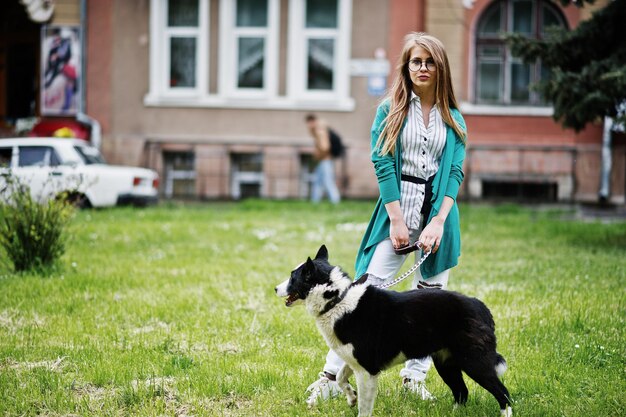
point(373, 329)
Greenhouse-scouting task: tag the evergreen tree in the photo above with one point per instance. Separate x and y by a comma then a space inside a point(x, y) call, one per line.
point(587, 64)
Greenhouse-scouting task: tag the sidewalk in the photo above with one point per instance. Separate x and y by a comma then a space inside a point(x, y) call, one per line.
point(603, 213)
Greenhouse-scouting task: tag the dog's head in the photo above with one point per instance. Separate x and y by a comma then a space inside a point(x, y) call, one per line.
point(315, 276)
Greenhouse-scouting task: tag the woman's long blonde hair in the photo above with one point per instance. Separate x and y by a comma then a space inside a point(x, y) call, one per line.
point(399, 95)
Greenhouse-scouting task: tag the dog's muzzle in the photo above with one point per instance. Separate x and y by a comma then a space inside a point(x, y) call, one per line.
point(292, 298)
point(281, 291)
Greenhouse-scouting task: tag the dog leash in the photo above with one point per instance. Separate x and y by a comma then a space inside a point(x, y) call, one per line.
point(407, 273)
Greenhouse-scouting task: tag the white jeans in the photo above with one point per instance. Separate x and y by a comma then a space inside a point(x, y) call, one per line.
point(324, 180)
point(384, 265)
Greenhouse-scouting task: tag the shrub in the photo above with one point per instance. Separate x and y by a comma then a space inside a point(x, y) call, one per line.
point(32, 231)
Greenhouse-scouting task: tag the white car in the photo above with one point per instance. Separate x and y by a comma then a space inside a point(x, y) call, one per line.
point(52, 166)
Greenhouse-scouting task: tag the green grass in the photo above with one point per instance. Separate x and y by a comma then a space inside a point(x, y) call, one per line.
point(171, 311)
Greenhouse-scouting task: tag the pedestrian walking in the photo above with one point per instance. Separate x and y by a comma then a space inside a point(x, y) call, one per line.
point(324, 174)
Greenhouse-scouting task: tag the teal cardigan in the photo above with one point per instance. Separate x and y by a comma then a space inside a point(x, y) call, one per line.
point(447, 182)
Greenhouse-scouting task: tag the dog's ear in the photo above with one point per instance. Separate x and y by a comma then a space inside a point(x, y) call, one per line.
point(309, 266)
point(322, 253)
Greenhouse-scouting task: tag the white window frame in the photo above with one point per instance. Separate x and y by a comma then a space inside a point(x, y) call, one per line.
point(296, 96)
point(239, 177)
point(299, 35)
point(229, 51)
point(172, 175)
point(160, 35)
point(472, 107)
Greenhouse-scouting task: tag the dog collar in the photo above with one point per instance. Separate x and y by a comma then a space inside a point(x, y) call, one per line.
point(333, 302)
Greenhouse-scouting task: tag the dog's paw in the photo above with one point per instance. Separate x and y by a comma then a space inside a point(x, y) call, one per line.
point(350, 396)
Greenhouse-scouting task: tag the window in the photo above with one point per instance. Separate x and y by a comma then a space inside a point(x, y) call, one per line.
point(247, 175)
point(319, 48)
point(178, 54)
point(37, 156)
point(90, 155)
point(500, 77)
point(180, 174)
point(520, 191)
point(249, 47)
point(321, 24)
point(5, 157)
point(312, 73)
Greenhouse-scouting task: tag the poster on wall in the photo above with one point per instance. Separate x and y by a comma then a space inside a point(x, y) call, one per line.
point(60, 70)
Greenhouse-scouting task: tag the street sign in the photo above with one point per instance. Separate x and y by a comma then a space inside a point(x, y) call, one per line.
point(368, 67)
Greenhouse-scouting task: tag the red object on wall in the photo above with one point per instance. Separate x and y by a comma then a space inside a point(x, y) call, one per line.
point(47, 126)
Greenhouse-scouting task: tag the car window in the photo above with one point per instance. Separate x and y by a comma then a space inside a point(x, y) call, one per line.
point(5, 157)
point(36, 156)
point(54, 158)
point(90, 155)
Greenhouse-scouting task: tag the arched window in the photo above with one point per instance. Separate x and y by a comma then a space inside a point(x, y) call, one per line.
point(500, 77)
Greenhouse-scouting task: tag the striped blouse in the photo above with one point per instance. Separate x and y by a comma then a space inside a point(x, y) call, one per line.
point(421, 151)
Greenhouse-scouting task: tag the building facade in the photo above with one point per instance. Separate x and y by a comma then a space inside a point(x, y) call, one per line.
point(213, 93)
point(516, 147)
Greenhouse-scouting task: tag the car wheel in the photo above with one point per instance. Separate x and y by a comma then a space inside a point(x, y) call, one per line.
point(78, 200)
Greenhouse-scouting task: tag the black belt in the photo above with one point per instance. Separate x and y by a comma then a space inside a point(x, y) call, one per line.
point(415, 180)
point(428, 190)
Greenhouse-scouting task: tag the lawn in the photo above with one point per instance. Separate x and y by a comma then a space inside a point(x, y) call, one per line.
point(171, 311)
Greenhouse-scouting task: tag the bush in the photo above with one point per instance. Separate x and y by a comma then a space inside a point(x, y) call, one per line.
point(32, 231)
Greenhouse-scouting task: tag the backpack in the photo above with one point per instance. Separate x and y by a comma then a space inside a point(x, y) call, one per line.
point(337, 149)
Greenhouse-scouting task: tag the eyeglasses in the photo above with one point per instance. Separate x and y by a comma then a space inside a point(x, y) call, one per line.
point(416, 65)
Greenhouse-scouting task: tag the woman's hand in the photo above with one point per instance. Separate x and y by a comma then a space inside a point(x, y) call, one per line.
point(433, 232)
point(431, 235)
point(399, 233)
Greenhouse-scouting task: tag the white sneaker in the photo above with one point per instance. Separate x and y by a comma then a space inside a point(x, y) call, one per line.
point(322, 390)
point(419, 388)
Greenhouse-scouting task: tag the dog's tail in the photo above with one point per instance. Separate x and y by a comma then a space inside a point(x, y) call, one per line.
point(500, 365)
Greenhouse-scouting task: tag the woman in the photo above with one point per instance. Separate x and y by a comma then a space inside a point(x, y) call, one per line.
point(418, 148)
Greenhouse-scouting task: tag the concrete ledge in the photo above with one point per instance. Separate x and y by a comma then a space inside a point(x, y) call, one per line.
point(495, 110)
